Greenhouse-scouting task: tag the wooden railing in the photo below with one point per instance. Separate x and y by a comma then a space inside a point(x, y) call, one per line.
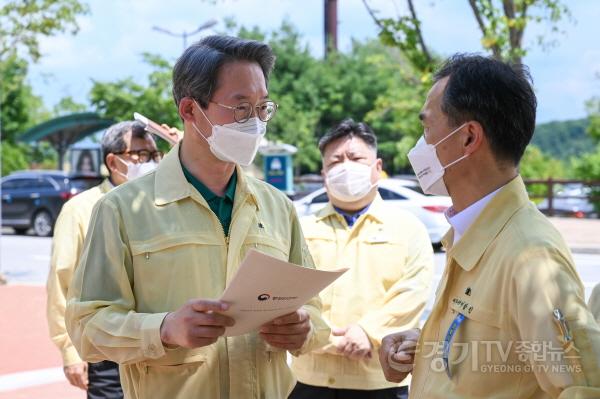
point(552, 196)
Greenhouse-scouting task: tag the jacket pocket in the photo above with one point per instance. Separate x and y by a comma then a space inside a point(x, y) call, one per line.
point(182, 373)
point(266, 244)
point(170, 270)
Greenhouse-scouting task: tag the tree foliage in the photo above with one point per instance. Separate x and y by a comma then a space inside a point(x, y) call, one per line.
point(23, 22)
point(551, 138)
point(502, 24)
point(370, 83)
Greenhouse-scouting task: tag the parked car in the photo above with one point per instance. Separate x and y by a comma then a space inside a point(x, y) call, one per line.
point(563, 205)
point(400, 194)
point(33, 199)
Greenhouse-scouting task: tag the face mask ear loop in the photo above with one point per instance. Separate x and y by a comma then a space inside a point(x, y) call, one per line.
point(450, 134)
point(205, 117)
point(121, 173)
point(203, 114)
point(455, 162)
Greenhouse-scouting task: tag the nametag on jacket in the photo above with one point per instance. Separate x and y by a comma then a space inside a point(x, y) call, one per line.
point(377, 239)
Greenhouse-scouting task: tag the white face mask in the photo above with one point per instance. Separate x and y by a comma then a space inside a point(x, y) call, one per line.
point(235, 142)
point(427, 165)
point(349, 181)
point(135, 170)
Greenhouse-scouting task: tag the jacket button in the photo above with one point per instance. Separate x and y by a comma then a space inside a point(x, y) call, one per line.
point(331, 380)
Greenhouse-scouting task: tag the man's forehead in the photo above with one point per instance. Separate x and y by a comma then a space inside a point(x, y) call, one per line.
point(145, 143)
point(241, 80)
point(433, 99)
point(348, 144)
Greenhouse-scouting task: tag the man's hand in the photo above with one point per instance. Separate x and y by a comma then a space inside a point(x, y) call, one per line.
point(354, 343)
point(195, 324)
point(175, 133)
point(77, 374)
point(287, 332)
point(397, 354)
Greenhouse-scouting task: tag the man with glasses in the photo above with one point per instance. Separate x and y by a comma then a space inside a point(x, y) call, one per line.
point(145, 293)
point(126, 148)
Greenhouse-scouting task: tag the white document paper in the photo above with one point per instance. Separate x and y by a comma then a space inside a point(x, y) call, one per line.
point(265, 288)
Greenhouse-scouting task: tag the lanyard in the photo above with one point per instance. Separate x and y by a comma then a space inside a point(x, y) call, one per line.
point(448, 341)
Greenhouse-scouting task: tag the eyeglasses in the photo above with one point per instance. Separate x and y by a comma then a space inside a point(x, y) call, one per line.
point(265, 110)
point(143, 156)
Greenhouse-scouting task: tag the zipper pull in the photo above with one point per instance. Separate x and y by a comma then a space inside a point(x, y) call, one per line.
point(147, 255)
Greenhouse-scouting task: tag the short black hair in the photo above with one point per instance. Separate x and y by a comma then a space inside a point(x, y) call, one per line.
point(496, 94)
point(348, 127)
point(195, 73)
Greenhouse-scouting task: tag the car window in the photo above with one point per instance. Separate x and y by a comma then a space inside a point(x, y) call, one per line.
point(44, 184)
point(11, 184)
point(319, 199)
point(390, 195)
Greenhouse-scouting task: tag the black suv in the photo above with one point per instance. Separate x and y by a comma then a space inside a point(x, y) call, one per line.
point(33, 199)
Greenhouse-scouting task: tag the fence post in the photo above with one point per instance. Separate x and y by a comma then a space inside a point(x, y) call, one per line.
point(550, 197)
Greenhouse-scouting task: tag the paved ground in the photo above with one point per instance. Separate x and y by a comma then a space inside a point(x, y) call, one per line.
point(31, 366)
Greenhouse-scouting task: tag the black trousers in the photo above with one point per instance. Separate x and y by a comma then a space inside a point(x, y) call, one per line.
point(104, 381)
point(303, 391)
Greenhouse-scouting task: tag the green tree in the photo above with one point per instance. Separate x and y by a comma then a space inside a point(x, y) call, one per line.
point(502, 24)
point(593, 108)
point(23, 22)
point(20, 110)
point(551, 138)
point(152, 98)
point(67, 105)
point(537, 165)
point(587, 167)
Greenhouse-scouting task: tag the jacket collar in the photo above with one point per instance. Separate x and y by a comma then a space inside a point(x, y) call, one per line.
point(171, 184)
point(105, 186)
point(375, 210)
point(486, 227)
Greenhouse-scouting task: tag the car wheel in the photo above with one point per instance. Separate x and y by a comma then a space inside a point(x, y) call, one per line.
point(42, 224)
point(20, 230)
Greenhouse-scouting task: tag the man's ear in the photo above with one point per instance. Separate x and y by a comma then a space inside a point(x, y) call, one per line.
point(111, 160)
point(187, 109)
point(474, 137)
point(379, 164)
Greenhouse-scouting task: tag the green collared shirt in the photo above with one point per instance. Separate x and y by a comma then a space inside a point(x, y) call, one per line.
point(221, 206)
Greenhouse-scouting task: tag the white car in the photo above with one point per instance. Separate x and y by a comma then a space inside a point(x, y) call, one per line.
point(397, 193)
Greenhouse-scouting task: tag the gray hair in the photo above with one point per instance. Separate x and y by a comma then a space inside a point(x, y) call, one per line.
point(195, 73)
point(113, 141)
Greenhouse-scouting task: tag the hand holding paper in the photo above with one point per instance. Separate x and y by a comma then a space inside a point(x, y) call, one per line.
point(195, 324)
point(287, 332)
point(266, 288)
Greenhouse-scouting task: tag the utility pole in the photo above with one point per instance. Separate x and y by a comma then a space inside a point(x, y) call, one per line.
point(331, 23)
point(208, 24)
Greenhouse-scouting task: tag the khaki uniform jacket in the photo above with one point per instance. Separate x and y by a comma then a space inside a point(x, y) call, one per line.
point(153, 245)
point(390, 258)
point(67, 244)
point(507, 275)
point(594, 302)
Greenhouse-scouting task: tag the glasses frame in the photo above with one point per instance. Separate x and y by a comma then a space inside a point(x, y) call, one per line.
point(234, 108)
point(151, 155)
